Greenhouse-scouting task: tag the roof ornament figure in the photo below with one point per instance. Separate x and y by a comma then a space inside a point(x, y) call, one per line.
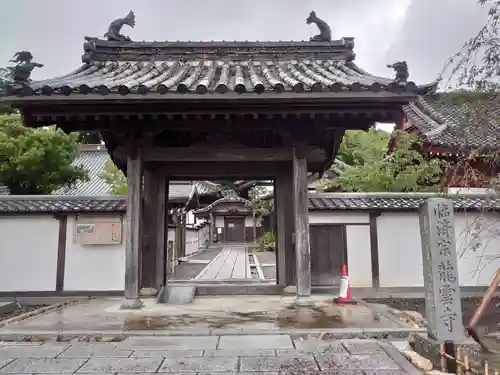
point(401, 69)
point(325, 33)
point(20, 73)
point(115, 27)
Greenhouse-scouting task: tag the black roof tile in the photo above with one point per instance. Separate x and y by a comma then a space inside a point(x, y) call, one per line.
point(396, 201)
point(61, 204)
point(317, 202)
point(216, 67)
point(448, 124)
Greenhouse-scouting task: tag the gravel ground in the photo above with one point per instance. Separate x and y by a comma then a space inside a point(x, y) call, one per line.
point(19, 311)
point(208, 254)
point(186, 271)
point(269, 272)
point(266, 257)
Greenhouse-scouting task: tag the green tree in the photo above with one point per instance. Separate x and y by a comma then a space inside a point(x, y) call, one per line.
point(359, 147)
point(260, 202)
point(37, 161)
point(404, 170)
point(114, 178)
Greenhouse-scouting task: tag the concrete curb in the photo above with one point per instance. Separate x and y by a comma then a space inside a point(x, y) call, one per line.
point(107, 336)
point(400, 360)
point(393, 315)
point(37, 312)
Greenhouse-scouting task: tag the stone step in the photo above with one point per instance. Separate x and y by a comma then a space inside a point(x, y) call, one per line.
point(177, 294)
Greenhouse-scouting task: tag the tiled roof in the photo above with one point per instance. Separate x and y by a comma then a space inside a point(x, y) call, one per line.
point(202, 77)
point(93, 162)
point(395, 201)
point(230, 199)
point(216, 67)
point(319, 202)
point(449, 124)
point(61, 204)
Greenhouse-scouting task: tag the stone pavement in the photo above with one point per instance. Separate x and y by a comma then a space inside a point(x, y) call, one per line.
point(270, 354)
point(231, 263)
point(211, 315)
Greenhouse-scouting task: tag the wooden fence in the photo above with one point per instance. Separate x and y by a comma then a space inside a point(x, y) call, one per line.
point(462, 363)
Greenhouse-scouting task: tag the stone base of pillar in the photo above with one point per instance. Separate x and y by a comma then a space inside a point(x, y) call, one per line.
point(131, 304)
point(304, 301)
point(148, 292)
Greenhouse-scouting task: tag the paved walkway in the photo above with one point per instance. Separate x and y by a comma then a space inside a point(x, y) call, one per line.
point(231, 263)
point(270, 354)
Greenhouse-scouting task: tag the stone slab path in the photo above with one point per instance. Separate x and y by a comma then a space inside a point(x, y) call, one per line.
point(222, 355)
point(231, 263)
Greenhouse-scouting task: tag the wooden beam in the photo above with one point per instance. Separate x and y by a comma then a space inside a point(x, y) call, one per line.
point(216, 170)
point(164, 260)
point(133, 216)
point(221, 153)
point(301, 214)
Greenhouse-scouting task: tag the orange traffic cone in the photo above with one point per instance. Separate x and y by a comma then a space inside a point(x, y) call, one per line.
point(345, 290)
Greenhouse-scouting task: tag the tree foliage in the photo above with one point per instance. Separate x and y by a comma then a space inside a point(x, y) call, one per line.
point(404, 170)
point(359, 147)
point(114, 178)
point(477, 64)
point(37, 161)
point(260, 202)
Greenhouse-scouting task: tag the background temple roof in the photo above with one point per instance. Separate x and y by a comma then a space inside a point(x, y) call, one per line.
point(94, 158)
point(451, 124)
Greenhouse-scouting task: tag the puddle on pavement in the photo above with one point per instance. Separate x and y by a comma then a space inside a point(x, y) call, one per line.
point(291, 317)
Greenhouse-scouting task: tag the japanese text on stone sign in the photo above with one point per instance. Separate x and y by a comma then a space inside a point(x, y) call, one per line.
point(446, 271)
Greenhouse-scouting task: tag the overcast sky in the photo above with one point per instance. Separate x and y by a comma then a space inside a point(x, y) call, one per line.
point(422, 32)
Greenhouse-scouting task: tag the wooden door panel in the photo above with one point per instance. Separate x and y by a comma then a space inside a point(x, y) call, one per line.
point(235, 229)
point(328, 252)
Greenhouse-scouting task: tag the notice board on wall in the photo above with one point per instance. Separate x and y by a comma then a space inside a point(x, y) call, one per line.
point(96, 230)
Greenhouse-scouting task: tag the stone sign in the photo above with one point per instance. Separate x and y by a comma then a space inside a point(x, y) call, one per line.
point(443, 307)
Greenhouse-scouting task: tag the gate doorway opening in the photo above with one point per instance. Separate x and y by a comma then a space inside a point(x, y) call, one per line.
point(218, 236)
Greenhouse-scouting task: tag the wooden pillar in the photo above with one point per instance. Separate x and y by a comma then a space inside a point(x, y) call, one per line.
point(285, 224)
point(254, 229)
point(182, 248)
point(161, 195)
point(178, 235)
point(148, 235)
point(133, 218)
point(211, 229)
point(301, 215)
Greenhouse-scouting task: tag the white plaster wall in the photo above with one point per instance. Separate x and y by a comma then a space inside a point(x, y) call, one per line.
point(93, 267)
point(359, 255)
point(249, 222)
point(400, 252)
point(192, 241)
point(219, 221)
point(338, 217)
point(400, 255)
point(478, 247)
point(28, 252)
point(171, 234)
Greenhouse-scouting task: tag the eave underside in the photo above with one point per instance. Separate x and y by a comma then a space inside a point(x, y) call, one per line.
point(315, 126)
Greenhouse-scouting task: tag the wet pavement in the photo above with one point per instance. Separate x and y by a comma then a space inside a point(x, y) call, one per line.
point(237, 313)
point(278, 354)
